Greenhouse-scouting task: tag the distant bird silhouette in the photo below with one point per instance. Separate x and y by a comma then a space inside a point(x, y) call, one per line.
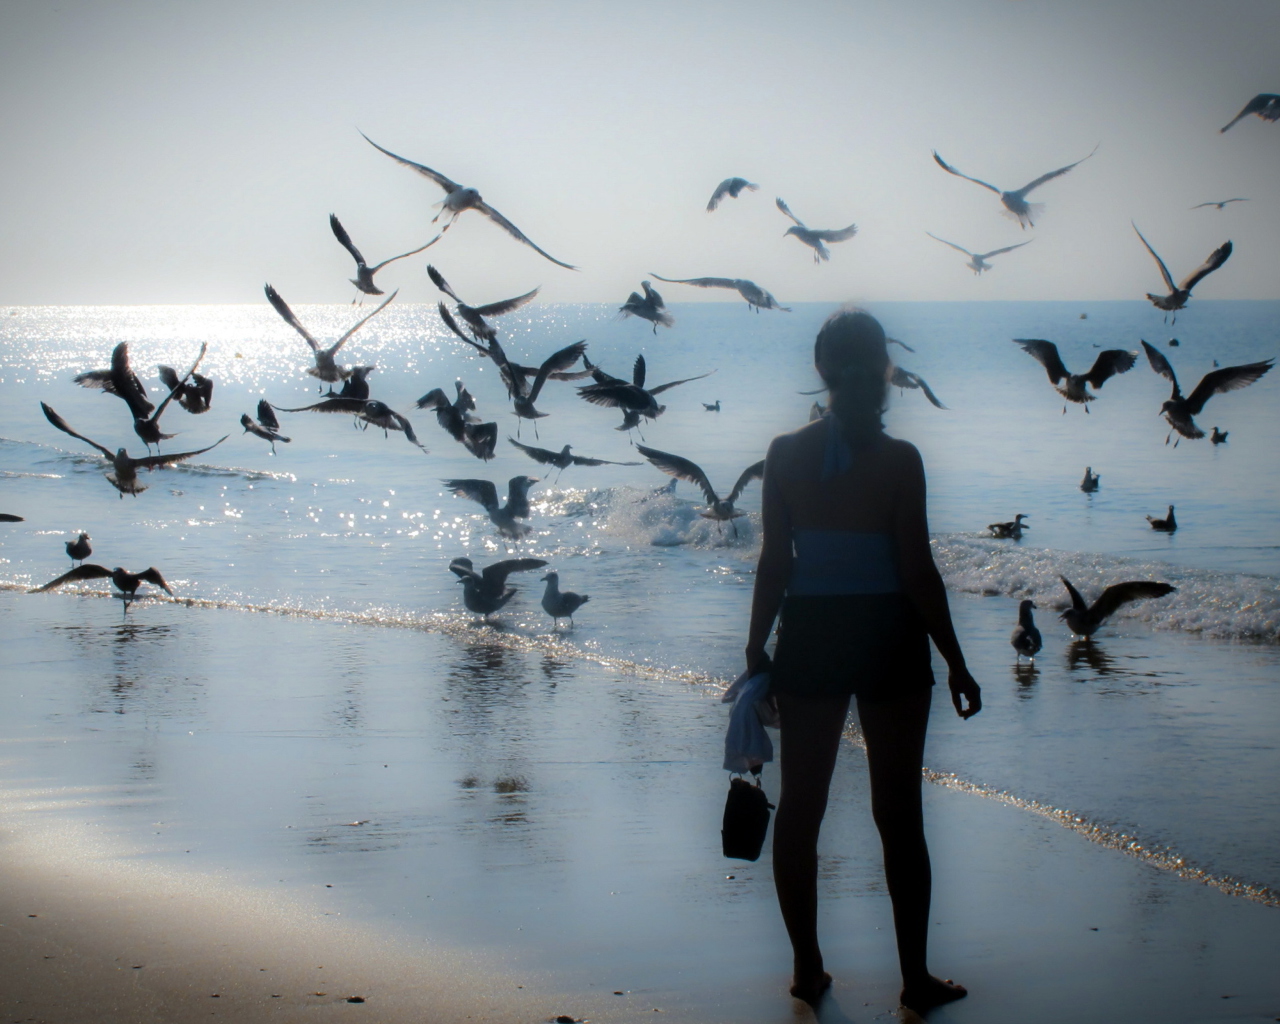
point(266, 426)
point(364, 273)
point(632, 398)
point(457, 199)
point(1109, 363)
point(486, 591)
point(1166, 525)
point(1219, 436)
point(1179, 410)
point(1084, 620)
point(80, 548)
point(1175, 343)
point(731, 187)
point(1220, 203)
point(648, 307)
point(125, 475)
point(371, 412)
point(911, 381)
point(815, 239)
point(559, 603)
point(978, 260)
point(474, 316)
point(326, 368)
point(712, 407)
point(756, 297)
point(119, 380)
point(126, 582)
point(1012, 530)
point(1026, 639)
point(147, 427)
point(1265, 105)
point(1091, 481)
point(562, 459)
point(1015, 202)
point(455, 417)
point(195, 394)
point(719, 509)
point(1179, 294)
point(503, 517)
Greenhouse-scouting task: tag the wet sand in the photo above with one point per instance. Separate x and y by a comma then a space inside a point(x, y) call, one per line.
point(429, 823)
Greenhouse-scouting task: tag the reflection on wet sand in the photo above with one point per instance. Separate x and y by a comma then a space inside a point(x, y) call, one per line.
point(1086, 654)
point(1026, 675)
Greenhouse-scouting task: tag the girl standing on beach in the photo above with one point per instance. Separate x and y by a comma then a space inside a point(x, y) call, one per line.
point(846, 559)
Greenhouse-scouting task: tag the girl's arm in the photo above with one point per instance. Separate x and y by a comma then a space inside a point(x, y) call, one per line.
point(773, 571)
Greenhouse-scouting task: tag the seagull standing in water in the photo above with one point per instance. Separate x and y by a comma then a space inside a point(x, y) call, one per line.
point(266, 426)
point(719, 509)
point(1084, 620)
point(1179, 294)
point(364, 273)
point(649, 307)
point(1109, 363)
point(1026, 639)
point(562, 460)
point(1166, 525)
point(457, 199)
point(1015, 202)
point(756, 297)
point(813, 238)
point(326, 368)
point(503, 517)
point(559, 603)
point(978, 260)
point(1178, 410)
point(731, 187)
point(1010, 531)
point(1091, 481)
point(1265, 105)
point(80, 548)
point(486, 591)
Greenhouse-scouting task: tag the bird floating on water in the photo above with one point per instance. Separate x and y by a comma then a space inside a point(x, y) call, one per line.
point(1084, 620)
point(559, 603)
point(486, 591)
point(1266, 105)
point(731, 187)
point(1166, 525)
point(480, 439)
point(1091, 481)
point(364, 273)
point(1011, 530)
point(486, 494)
point(457, 199)
point(562, 459)
point(1179, 410)
point(712, 406)
point(978, 260)
point(266, 426)
point(1219, 436)
point(1179, 294)
point(648, 307)
point(813, 238)
point(1109, 363)
point(719, 509)
point(126, 582)
point(474, 316)
point(326, 368)
point(756, 297)
point(634, 399)
point(1220, 203)
point(80, 548)
point(1026, 639)
point(1015, 202)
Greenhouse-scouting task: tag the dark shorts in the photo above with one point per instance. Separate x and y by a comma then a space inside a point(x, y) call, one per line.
point(872, 646)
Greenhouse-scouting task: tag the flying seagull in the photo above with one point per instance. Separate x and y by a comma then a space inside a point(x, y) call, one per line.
point(486, 494)
point(474, 316)
point(1015, 202)
point(479, 439)
point(731, 187)
point(910, 381)
point(364, 273)
point(978, 260)
point(508, 370)
point(126, 582)
point(1180, 293)
point(1265, 105)
point(562, 460)
point(125, 475)
point(147, 427)
point(80, 548)
point(266, 426)
point(559, 603)
point(1166, 525)
point(632, 398)
point(194, 394)
point(1084, 620)
point(326, 368)
point(119, 380)
point(524, 394)
point(355, 386)
point(1179, 410)
point(719, 509)
point(457, 198)
point(486, 591)
point(1107, 365)
point(1012, 530)
point(371, 411)
point(1220, 203)
point(649, 307)
point(813, 238)
point(1026, 638)
point(756, 297)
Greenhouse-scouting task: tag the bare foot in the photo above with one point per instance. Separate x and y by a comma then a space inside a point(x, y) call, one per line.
point(811, 988)
point(930, 993)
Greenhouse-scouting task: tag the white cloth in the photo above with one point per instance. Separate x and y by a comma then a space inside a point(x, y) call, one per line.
point(746, 744)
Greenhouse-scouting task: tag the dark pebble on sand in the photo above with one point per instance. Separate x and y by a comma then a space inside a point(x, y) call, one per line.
point(619, 993)
point(355, 999)
point(564, 1018)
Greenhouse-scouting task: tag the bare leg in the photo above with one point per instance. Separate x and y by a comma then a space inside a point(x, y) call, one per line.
point(810, 739)
point(894, 733)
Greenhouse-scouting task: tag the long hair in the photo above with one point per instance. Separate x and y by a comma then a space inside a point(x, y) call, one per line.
point(852, 358)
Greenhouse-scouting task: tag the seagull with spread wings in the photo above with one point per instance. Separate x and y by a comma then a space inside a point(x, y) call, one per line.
point(119, 380)
point(195, 394)
point(1076, 389)
point(1220, 203)
point(1015, 201)
point(474, 316)
point(126, 582)
point(1179, 294)
point(326, 368)
point(486, 591)
point(266, 426)
point(648, 307)
point(1179, 410)
point(756, 297)
point(814, 238)
point(486, 494)
point(124, 477)
point(731, 187)
point(1266, 105)
point(364, 273)
point(1085, 619)
point(480, 439)
point(147, 427)
point(978, 260)
point(562, 459)
point(907, 380)
point(371, 412)
point(633, 398)
point(719, 509)
point(457, 199)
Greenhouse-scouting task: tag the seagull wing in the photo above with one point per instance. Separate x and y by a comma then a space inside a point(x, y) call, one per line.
point(1164, 271)
point(404, 424)
point(1218, 257)
point(1229, 378)
point(340, 233)
point(355, 406)
point(125, 383)
point(175, 388)
point(753, 472)
point(1007, 248)
point(902, 344)
point(1108, 364)
point(700, 282)
point(1162, 366)
point(615, 394)
point(638, 371)
point(547, 458)
point(411, 252)
point(61, 424)
point(496, 575)
point(517, 234)
point(681, 469)
point(445, 183)
point(168, 376)
point(721, 191)
point(556, 362)
point(362, 321)
point(675, 383)
point(905, 378)
point(582, 460)
point(152, 575)
point(1122, 593)
point(84, 571)
point(951, 170)
point(781, 205)
point(654, 298)
point(506, 305)
point(481, 439)
point(1053, 174)
point(438, 280)
point(267, 415)
point(837, 234)
point(957, 248)
point(1046, 352)
point(434, 399)
point(452, 324)
point(160, 461)
point(482, 491)
point(1077, 602)
point(286, 314)
point(1264, 105)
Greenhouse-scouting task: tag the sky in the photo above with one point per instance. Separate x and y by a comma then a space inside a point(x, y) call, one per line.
point(167, 152)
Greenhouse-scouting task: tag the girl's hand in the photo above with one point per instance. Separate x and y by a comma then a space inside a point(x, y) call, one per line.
point(757, 660)
point(964, 691)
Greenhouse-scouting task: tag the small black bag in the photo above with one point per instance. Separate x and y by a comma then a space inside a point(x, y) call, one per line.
point(746, 818)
